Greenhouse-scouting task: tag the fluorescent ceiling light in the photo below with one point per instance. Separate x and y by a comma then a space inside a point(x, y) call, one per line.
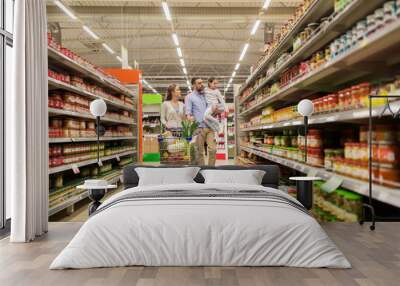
point(166, 11)
point(144, 81)
point(230, 81)
point(255, 27)
point(266, 4)
point(90, 32)
point(65, 9)
point(175, 38)
point(119, 58)
point(246, 46)
point(179, 51)
point(233, 74)
point(237, 66)
point(188, 83)
point(182, 62)
point(108, 48)
point(184, 70)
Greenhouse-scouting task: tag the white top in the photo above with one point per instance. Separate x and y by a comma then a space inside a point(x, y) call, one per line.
point(214, 97)
point(305, 178)
point(87, 187)
point(171, 117)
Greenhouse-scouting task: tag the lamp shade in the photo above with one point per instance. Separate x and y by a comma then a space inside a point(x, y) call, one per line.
point(305, 107)
point(98, 107)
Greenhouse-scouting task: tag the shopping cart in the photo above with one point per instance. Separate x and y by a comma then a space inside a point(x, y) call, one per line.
point(174, 149)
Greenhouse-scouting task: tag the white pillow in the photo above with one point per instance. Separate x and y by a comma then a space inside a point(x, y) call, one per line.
point(166, 176)
point(246, 177)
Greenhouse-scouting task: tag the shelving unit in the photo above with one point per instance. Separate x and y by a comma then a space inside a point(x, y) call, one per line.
point(151, 119)
point(341, 116)
point(88, 162)
point(362, 62)
point(381, 193)
point(116, 100)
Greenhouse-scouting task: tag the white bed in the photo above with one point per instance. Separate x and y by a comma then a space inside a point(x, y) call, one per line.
point(201, 231)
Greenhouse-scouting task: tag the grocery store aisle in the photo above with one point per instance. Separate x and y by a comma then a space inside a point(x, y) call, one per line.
point(358, 244)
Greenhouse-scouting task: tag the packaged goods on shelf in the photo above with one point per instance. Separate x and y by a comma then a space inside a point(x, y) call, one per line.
point(73, 153)
point(343, 205)
point(78, 59)
point(347, 156)
point(361, 31)
point(280, 35)
point(81, 84)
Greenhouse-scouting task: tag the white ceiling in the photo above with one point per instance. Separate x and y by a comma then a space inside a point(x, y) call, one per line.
point(211, 34)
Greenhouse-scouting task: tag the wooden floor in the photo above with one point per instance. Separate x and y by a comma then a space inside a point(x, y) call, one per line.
point(375, 257)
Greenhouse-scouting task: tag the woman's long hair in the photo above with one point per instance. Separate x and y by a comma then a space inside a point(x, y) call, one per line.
point(170, 90)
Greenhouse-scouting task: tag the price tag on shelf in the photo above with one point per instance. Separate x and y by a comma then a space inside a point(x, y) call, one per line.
point(100, 163)
point(118, 158)
point(332, 184)
point(75, 169)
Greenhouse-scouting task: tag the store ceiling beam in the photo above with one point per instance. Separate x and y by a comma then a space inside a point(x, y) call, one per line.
point(180, 12)
point(85, 52)
point(83, 39)
point(71, 27)
point(186, 3)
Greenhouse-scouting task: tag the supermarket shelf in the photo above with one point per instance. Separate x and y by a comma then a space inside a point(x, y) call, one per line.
point(89, 139)
point(362, 59)
point(80, 197)
point(55, 111)
point(342, 116)
point(316, 11)
point(339, 24)
point(65, 86)
point(88, 162)
point(380, 193)
point(87, 72)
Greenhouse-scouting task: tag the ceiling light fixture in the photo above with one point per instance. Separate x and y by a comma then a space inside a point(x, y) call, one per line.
point(246, 46)
point(179, 51)
point(108, 48)
point(237, 66)
point(182, 62)
point(65, 9)
point(266, 4)
point(184, 70)
point(166, 11)
point(175, 39)
point(188, 83)
point(230, 81)
point(233, 74)
point(119, 58)
point(90, 32)
point(255, 27)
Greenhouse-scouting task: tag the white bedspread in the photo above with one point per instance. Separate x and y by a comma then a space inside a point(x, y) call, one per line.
point(200, 231)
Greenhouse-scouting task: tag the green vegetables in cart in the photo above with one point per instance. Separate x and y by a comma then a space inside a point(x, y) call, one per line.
point(188, 128)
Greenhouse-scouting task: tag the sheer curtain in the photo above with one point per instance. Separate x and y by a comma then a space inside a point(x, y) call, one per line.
point(27, 124)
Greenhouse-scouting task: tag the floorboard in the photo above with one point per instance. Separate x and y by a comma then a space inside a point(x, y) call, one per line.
point(375, 257)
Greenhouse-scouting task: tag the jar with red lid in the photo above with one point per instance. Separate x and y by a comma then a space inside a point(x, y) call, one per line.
point(314, 138)
point(388, 153)
point(333, 102)
point(341, 100)
point(355, 96)
point(347, 99)
point(365, 91)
